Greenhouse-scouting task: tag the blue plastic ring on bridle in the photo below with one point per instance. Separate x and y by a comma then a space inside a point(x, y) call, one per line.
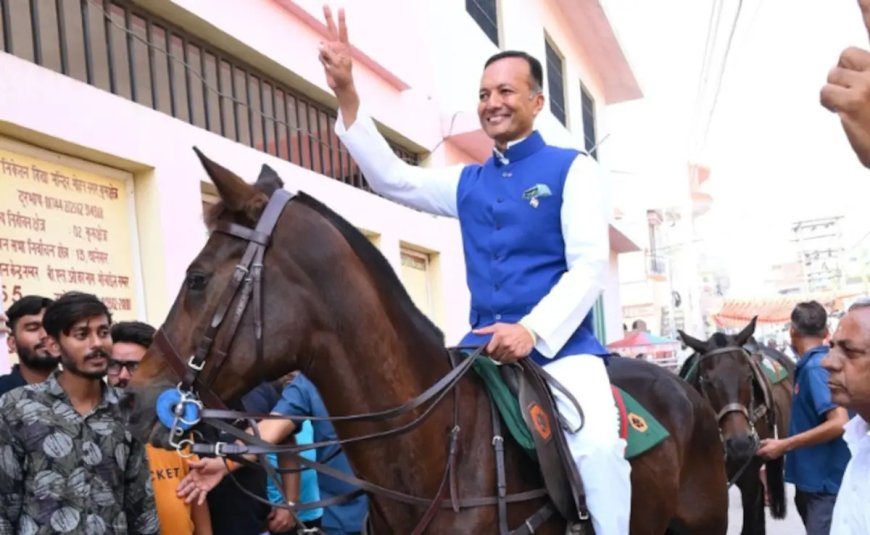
point(166, 403)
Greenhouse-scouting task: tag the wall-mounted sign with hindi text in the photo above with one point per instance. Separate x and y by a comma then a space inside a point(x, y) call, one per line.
point(62, 229)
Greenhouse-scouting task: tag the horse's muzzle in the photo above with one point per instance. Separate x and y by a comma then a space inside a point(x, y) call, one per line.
point(740, 448)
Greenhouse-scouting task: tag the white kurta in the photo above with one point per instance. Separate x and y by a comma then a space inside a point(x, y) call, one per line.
point(852, 510)
point(597, 448)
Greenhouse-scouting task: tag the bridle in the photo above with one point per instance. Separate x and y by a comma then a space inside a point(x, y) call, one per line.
point(247, 281)
point(183, 407)
point(753, 413)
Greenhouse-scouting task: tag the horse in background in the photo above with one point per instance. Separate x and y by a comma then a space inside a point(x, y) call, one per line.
point(333, 308)
point(726, 370)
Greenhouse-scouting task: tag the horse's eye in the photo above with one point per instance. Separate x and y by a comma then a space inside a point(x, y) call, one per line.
point(196, 281)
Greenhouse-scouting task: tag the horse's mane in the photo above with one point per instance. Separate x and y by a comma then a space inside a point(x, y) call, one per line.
point(384, 274)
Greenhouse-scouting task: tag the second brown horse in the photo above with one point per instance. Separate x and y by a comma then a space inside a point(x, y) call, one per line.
point(726, 370)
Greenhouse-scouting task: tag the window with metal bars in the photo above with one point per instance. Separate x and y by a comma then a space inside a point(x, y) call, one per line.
point(485, 14)
point(589, 136)
point(114, 45)
point(555, 82)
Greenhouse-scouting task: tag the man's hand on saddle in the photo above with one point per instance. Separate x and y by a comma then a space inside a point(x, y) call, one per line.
point(205, 474)
point(847, 93)
point(509, 343)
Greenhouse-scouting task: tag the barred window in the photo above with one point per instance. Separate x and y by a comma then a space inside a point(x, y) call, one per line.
point(485, 14)
point(117, 47)
point(590, 138)
point(555, 84)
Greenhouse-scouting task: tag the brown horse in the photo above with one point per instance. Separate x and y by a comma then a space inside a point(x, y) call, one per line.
point(333, 308)
point(726, 369)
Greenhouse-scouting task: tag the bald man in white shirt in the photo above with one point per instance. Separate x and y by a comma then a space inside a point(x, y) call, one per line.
point(849, 367)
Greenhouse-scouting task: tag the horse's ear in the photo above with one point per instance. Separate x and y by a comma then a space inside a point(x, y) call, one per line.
point(237, 195)
point(269, 181)
point(697, 345)
point(743, 336)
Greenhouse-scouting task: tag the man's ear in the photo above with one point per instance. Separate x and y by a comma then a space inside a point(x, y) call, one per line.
point(10, 344)
point(52, 345)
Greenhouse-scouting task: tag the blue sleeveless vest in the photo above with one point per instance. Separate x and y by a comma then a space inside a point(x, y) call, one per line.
point(510, 217)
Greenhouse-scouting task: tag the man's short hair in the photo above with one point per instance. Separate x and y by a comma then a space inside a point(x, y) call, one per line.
point(133, 332)
point(71, 308)
point(29, 305)
point(809, 319)
point(537, 72)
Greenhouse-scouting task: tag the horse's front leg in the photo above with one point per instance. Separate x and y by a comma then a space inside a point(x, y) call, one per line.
point(752, 496)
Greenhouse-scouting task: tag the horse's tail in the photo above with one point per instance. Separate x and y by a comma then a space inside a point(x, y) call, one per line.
point(776, 487)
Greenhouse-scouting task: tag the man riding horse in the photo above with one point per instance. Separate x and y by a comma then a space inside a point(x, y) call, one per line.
point(534, 228)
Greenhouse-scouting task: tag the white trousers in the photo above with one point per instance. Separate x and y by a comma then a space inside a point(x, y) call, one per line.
point(597, 449)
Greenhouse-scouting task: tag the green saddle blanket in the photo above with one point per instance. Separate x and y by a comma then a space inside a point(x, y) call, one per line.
point(775, 372)
point(637, 426)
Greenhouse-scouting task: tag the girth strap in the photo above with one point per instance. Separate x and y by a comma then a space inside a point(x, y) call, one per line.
point(501, 480)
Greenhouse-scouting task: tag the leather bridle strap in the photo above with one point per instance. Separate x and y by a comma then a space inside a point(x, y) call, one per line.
point(258, 239)
point(732, 407)
point(180, 368)
point(367, 485)
point(432, 397)
point(250, 266)
point(437, 390)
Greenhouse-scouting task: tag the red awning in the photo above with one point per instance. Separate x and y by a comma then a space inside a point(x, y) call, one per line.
point(777, 310)
point(737, 313)
point(643, 342)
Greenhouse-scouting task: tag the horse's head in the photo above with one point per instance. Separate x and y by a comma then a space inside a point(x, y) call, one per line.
point(246, 315)
point(725, 376)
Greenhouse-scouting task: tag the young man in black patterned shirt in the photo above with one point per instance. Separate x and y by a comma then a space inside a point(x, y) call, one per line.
point(67, 462)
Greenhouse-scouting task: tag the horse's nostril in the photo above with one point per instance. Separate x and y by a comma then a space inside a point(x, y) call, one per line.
point(740, 445)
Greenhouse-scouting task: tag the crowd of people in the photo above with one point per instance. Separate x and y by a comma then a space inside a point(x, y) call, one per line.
point(68, 462)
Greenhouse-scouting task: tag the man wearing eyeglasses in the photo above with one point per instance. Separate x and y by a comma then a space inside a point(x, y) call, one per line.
point(130, 340)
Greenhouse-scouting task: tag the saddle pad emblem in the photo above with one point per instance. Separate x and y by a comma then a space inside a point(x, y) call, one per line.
point(541, 421)
point(637, 422)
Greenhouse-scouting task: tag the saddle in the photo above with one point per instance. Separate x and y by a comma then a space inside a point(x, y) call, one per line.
point(531, 385)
